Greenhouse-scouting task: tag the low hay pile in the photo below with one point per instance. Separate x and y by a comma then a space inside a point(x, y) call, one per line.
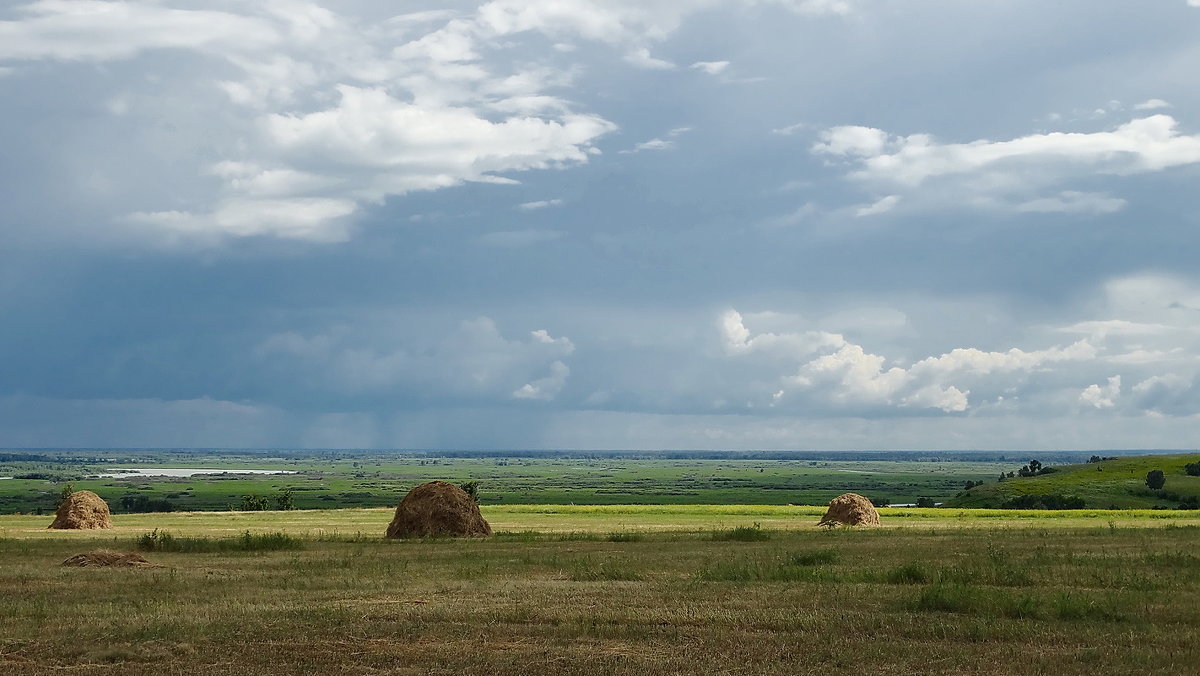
point(82, 510)
point(106, 558)
point(438, 508)
point(850, 509)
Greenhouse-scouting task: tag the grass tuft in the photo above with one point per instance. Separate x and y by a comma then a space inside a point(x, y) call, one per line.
point(163, 541)
point(753, 533)
point(909, 573)
point(588, 570)
point(816, 557)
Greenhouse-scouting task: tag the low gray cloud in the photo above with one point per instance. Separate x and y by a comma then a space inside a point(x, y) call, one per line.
point(575, 223)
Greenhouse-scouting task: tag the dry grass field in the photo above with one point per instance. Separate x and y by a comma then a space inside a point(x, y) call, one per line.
point(611, 590)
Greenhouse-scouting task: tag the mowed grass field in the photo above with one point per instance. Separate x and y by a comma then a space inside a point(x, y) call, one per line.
point(615, 589)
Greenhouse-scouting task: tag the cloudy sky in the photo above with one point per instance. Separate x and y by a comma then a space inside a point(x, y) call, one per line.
point(739, 224)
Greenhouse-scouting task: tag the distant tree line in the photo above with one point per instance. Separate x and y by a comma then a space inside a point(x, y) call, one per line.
point(56, 477)
point(1035, 468)
point(143, 503)
point(25, 457)
point(284, 500)
point(1051, 501)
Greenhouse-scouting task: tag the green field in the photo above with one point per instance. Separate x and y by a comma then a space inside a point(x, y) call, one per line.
point(1118, 483)
point(371, 480)
point(614, 589)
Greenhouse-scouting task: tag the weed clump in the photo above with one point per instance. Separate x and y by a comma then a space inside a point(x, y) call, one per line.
point(753, 533)
point(909, 573)
point(163, 541)
point(968, 599)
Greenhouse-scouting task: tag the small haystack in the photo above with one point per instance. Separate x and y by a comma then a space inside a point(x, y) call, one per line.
point(438, 508)
point(106, 558)
point(850, 509)
point(82, 510)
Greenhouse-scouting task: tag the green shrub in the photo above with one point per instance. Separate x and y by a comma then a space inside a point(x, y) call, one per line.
point(67, 489)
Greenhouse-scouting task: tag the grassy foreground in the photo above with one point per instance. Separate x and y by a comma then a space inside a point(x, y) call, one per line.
point(615, 590)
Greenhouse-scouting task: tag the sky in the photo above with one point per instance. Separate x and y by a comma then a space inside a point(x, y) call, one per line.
point(600, 224)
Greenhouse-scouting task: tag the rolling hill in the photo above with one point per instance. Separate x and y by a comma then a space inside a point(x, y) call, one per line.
point(1116, 483)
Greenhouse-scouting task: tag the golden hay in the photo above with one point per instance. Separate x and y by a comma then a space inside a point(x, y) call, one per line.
point(82, 510)
point(850, 509)
point(106, 558)
point(438, 508)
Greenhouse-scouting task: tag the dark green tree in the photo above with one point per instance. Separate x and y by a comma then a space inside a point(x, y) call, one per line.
point(67, 489)
point(471, 488)
point(253, 503)
point(284, 501)
point(1155, 479)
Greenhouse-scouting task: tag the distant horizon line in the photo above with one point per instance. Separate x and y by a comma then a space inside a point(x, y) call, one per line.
point(1126, 451)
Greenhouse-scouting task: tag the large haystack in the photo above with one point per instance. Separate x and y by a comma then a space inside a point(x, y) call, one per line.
point(850, 509)
point(106, 558)
point(82, 510)
point(438, 508)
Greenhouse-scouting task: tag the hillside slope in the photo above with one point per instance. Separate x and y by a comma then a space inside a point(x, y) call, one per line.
point(1120, 483)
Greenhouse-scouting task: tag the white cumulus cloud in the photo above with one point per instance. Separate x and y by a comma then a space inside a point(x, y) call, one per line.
point(1074, 202)
point(539, 204)
point(1102, 397)
point(824, 368)
point(1005, 172)
point(329, 114)
point(1152, 104)
point(881, 206)
point(711, 67)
